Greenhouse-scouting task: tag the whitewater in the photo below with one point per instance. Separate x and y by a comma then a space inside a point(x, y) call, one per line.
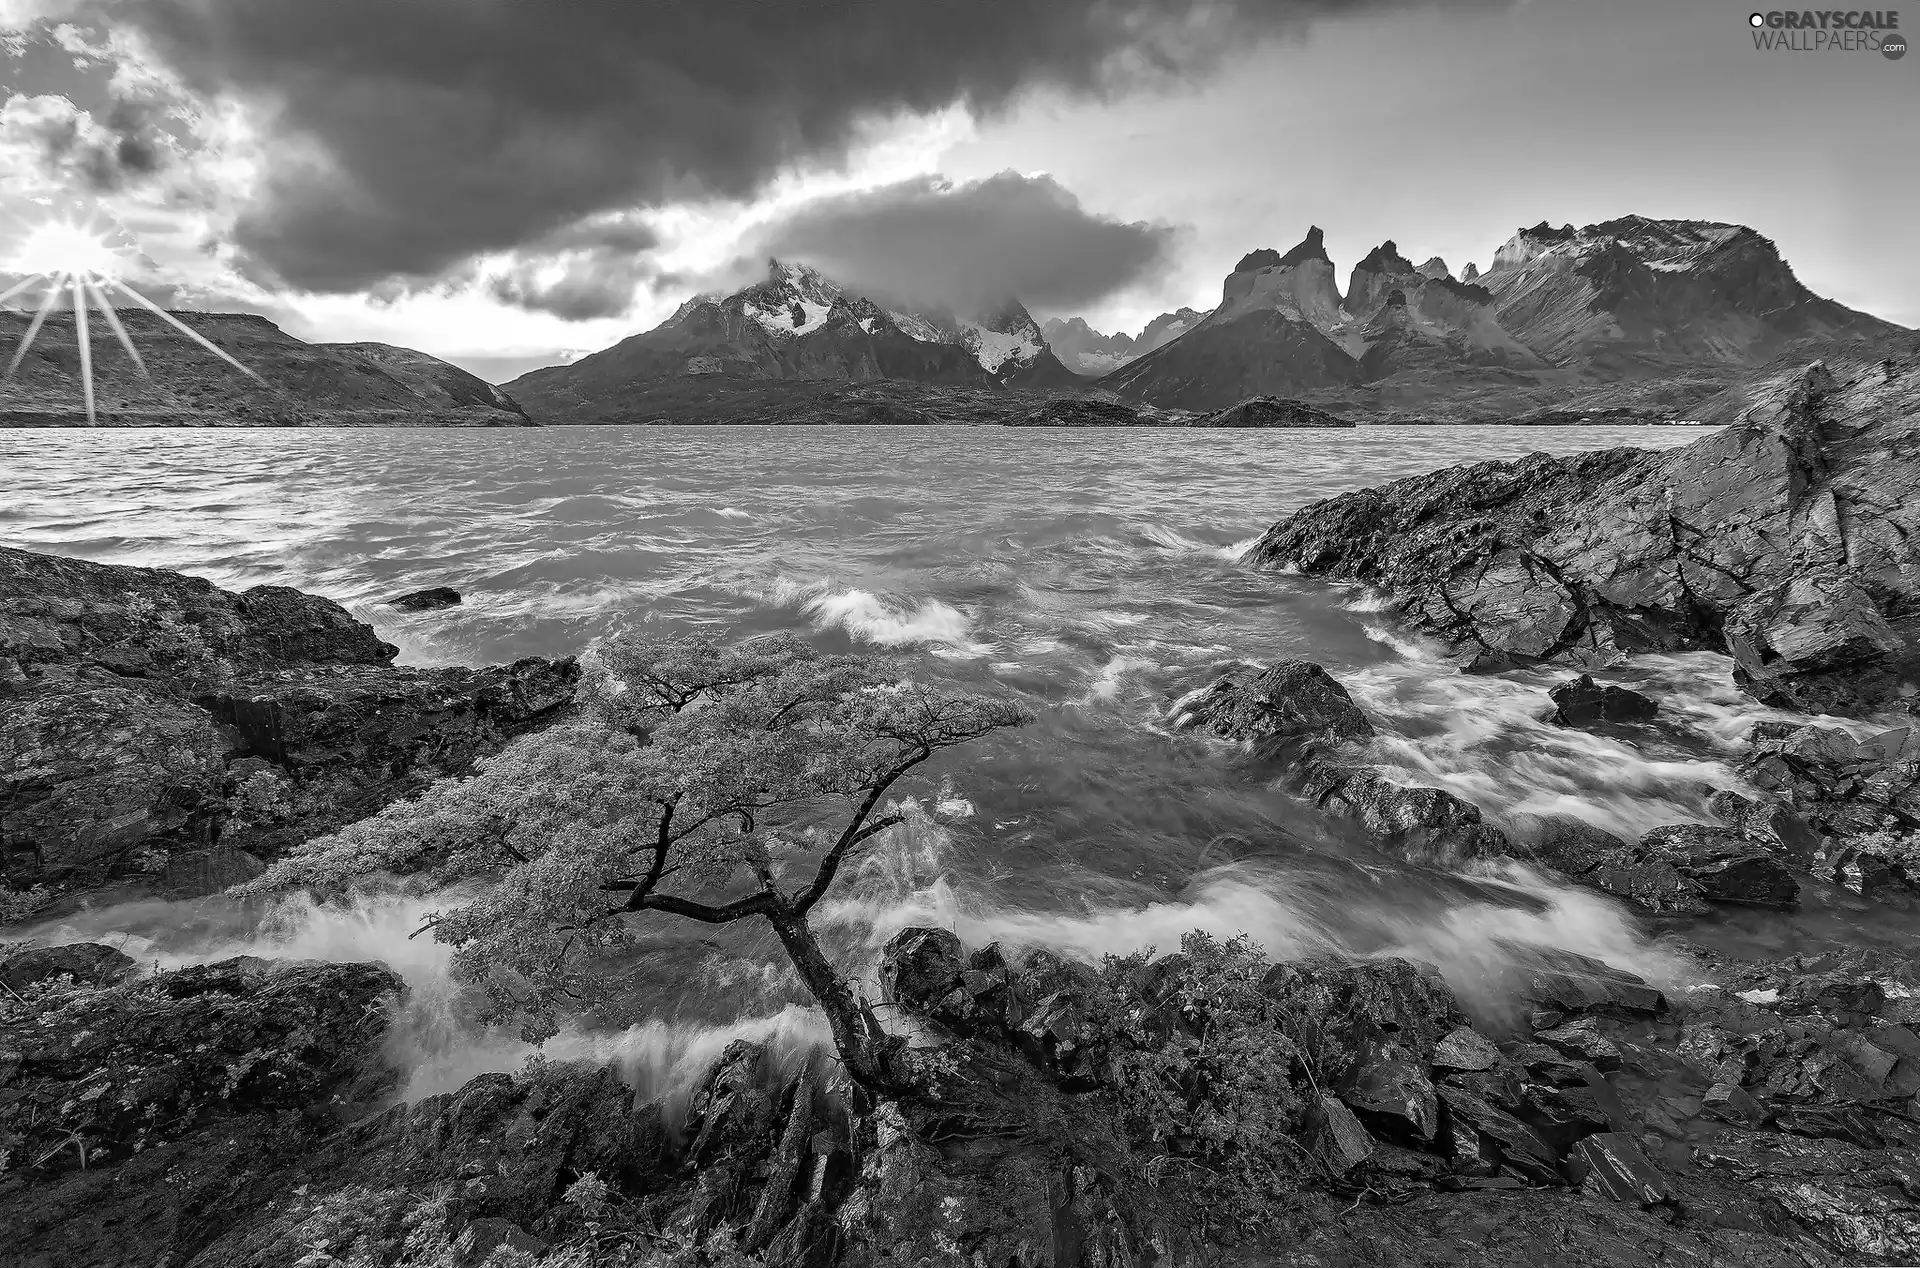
point(1097, 575)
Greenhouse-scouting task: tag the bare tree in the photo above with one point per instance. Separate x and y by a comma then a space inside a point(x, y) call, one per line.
point(713, 783)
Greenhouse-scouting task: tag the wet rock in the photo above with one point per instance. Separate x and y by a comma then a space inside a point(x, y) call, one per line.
point(1612, 1165)
point(1830, 1123)
point(1573, 983)
point(733, 1107)
point(1519, 1148)
point(1583, 1041)
point(87, 963)
point(1465, 1049)
point(1424, 823)
point(1856, 1201)
point(118, 1070)
point(1292, 700)
point(1729, 867)
point(1387, 1089)
point(1798, 567)
point(1598, 858)
point(920, 966)
point(431, 599)
point(1581, 702)
point(1333, 1135)
point(1857, 802)
point(1564, 1116)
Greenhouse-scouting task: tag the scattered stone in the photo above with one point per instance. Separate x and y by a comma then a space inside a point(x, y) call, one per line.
point(427, 600)
point(1611, 1165)
point(1581, 702)
point(1335, 1136)
point(1583, 1041)
point(1465, 1049)
point(1520, 1147)
point(1388, 1090)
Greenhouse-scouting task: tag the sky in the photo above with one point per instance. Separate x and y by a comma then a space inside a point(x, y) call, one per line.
point(510, 183)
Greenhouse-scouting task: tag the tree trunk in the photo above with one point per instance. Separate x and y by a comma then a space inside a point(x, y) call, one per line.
point(868, 1051)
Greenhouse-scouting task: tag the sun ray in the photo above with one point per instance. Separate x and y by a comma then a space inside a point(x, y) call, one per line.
point(11, 292)
point(86, 346)
point(185, 329)
point(99, 293)
point(33, 327)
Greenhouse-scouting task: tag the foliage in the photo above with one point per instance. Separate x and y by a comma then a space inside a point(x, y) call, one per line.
point(17, 905)
point(174, 643)
point(1201, 1062)
point(263, 799)
point(691, 766)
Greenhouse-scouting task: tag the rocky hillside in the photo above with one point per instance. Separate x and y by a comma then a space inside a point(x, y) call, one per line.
point(1784, 540)
point(795, 326)
point(1654, 314)
point(300, 384)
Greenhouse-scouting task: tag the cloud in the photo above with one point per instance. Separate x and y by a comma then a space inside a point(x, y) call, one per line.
point(407, 136)
point(929, 242)
point(66, 142)
point(580, 272)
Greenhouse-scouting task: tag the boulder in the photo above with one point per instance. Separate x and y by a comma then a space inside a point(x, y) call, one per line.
point(1596, 857)
point(1291, 700)
point(1465, 1050)
point(1338, 1009)
point(1516, 1146)
point(1581, 702)
point(429, 600)
point(918, 967)
point(1729, 866)
point(1421, 823)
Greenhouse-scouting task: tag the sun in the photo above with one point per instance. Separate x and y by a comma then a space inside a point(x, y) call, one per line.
point(73, 263)
point(59, 248)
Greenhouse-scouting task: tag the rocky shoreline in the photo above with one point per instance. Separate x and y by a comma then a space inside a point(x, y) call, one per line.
point(1205, 1107)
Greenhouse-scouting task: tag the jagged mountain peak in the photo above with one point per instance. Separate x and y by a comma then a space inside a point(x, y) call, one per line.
point(1437, 267)
point(1311, 247)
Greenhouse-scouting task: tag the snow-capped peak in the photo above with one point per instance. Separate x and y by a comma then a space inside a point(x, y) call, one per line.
point(1006, 338)
point(793, 300)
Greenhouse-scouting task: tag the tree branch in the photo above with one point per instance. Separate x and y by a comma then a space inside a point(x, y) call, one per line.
point(760, 904)
point(856, 832)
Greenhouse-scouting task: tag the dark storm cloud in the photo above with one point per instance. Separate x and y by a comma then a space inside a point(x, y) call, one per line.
point(929, 243)
point(412, 133)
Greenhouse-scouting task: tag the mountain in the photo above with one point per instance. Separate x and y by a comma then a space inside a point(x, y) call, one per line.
point(1268, 337)
point(1653, 314)
point(300, 384)
point(794, 325)
point(1085, 350)
point(1635, 294)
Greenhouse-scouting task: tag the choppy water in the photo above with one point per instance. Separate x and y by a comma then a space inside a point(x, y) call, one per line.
point(1095, 573)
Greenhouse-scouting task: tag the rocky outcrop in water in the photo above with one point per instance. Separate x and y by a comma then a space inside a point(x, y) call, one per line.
point(1074, 411)
point(1581, 702)
point(147, 712)
point(1269, 411)
point(1783, 540)
point(431, 599)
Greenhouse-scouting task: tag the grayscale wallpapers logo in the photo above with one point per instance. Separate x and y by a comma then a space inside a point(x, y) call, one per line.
point(1829, 30)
